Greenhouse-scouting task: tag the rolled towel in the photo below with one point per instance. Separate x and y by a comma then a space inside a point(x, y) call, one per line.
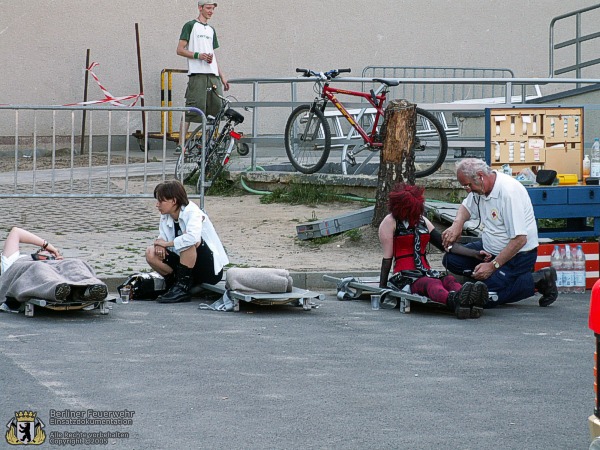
point(258, 280)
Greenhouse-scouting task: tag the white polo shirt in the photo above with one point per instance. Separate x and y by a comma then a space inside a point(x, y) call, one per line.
point(505, 213)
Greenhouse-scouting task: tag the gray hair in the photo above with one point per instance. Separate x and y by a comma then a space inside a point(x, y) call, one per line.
point(470, 167)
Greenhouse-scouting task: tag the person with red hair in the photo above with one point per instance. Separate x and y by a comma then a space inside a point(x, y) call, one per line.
point(404, 235)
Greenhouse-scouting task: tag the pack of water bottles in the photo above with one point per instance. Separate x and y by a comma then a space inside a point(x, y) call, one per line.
point(569, 263)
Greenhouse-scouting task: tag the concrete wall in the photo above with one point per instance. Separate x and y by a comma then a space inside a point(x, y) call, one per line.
point(43, 42)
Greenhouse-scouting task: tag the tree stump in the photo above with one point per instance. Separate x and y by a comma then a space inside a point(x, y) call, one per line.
point(398, 132)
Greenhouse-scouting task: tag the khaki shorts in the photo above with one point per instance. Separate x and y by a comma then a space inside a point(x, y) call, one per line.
point(197, 96)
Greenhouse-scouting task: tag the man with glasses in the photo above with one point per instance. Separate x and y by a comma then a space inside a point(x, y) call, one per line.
point(197, 43)
point(502, 205)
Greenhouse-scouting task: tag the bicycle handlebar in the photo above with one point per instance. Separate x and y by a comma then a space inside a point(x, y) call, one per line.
point(214, 88)
point(326, 75)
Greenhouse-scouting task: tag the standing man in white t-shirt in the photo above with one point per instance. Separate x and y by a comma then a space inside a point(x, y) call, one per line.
point(509, 234)
point(197, 43)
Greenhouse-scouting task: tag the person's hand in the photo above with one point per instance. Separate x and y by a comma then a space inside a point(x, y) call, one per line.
point(483, 271)
point(482, 255)
point(54, 251)
point(450, 235)
point(160, 248)
point(161, 242)
point(208, 57)
point(160, 252)
point(225, 84)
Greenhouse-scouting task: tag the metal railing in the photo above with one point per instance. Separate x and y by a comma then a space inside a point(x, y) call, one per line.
point(575, 43)
point(48, 166)
point(440, 93)
point(129, 178)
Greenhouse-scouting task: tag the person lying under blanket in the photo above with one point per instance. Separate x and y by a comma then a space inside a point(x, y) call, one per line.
point(45, 274)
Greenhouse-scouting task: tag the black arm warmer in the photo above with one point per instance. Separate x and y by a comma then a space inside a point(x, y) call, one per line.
point(386, 265)
point(435, 237)
point(459, 249)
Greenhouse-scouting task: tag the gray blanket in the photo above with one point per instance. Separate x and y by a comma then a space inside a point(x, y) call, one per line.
point(27, 279)
point(259, 279)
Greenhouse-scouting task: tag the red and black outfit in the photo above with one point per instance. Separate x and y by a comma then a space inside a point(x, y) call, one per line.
point(410, 258)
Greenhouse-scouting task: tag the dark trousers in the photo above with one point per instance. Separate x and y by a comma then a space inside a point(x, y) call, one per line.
point(512, 282)
point(204, 271)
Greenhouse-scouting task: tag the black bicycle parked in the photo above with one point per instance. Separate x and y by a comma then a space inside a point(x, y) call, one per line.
point(220, 142)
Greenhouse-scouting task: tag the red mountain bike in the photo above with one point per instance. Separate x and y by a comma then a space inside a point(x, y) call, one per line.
point(308, 134)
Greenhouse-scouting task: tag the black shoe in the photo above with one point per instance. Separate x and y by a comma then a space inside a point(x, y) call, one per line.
point(479, 298)
point(545, 283)
point(62, 291)
point(459, 301)
point(175, 295)
point(95, 292)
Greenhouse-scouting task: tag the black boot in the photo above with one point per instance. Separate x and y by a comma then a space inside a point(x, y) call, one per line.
point(179, 292)
point(545, 283)
point(170, 280)
point(459, 302)
point(479, 296)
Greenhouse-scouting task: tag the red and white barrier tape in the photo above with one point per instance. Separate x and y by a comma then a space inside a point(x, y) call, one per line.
point(108, 97)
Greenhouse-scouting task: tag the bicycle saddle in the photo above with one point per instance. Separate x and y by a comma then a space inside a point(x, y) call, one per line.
point(234, 115)
point(386, 82)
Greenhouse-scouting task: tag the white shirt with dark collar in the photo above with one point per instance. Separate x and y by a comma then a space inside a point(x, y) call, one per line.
point(195, 226)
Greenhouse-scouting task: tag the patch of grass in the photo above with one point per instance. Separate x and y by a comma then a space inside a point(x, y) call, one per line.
point(316, 242)
point(303, 194)
point(146, 228)
point(455, 196)
point(221, 187)
point(354, 235)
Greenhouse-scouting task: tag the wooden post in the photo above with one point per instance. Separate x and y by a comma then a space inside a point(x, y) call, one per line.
point(398, 132)
point(139, 61)
point(85, 97)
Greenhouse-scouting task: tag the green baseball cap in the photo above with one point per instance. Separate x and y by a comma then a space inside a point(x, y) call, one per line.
point(201, 3)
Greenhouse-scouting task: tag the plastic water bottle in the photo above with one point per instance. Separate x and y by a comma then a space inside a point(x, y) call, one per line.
point(568, 272)
point(587, 167)
point(579, 268)
point(595, 166)
point(556, 262)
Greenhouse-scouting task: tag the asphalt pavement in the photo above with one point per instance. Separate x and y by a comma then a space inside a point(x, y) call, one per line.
point(338, 377)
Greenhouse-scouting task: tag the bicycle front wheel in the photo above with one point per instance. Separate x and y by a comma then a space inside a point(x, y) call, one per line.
point(431, 144)
point(307, 139)
point(187, 163)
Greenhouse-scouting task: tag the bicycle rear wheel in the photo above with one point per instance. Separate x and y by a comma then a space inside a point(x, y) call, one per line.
point(431, 144)
point(214, 164)
point(187, 163)
point(307, 139)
